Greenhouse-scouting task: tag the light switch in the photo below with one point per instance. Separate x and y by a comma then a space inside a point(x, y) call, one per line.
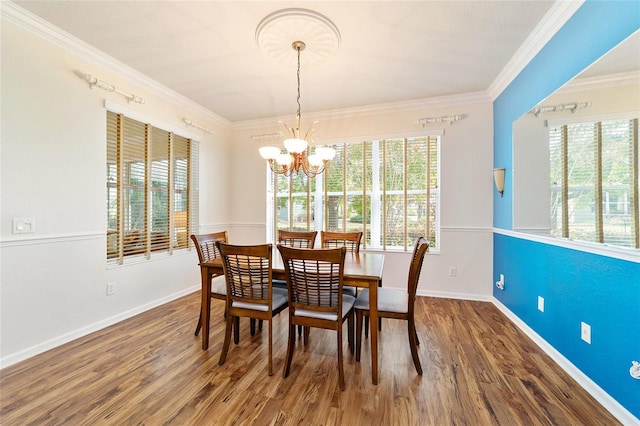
point(24, 225)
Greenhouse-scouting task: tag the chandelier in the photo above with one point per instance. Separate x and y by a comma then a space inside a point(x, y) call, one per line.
point(297, 157)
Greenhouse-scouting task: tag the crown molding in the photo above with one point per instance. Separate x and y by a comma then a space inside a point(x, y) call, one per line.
point(556, 17)
point(600, 82)
point(31, 23)
point(368, 110)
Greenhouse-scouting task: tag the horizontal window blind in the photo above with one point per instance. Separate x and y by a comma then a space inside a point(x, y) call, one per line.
point(388, 189)
point(594, 182)
point(148, 189)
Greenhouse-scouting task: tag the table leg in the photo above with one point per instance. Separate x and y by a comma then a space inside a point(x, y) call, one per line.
point(206, 306)
point(373, 314)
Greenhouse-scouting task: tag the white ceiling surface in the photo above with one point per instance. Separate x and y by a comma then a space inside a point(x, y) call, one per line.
point(391, 51)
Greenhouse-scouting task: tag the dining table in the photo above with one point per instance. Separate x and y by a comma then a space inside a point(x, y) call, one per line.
point(362, 270)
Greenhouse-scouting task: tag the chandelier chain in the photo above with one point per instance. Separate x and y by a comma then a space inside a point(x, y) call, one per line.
point(298, 74)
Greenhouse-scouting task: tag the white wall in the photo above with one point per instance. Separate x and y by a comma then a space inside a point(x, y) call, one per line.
point(53, 281)
point(53, 156)
point(466, 211)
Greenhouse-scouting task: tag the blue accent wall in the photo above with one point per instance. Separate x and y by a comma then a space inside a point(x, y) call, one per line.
point(601, 291)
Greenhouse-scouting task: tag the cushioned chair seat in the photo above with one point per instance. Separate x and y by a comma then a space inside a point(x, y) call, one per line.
point(277, 300)
point(347, 303)
point(219, 285)
point(279, 284)
point(350, 291)
point(389, 300)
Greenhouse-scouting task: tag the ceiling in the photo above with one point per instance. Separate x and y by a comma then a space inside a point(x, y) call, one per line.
point(390, 51)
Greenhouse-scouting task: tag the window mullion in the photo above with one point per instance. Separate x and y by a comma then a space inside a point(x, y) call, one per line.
point(120, 190)
point(290, 202)
point(635, 176)
point(344, 187)
point(171, 187)
point(405, 217)
point(364, 195)
point(428, 190)
point(565, 181)
point(147, 189)
point(598, 182)
point(384, 195)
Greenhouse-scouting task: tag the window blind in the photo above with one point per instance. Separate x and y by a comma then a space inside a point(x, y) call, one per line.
point(594, 182)
point(149, 176)
point(388, 189)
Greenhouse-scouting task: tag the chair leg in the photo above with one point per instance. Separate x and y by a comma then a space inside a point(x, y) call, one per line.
point(227, 341)
point(358, 334)
point(299, 331)
point(340, 366)
point(350, 330)
point(292, 341)
point(270, 347)
point(252, 326)
point(199, 326)
point(366, 327)
point(236, 329)
point(260, 325)
point(413, 337)
point(305, 334)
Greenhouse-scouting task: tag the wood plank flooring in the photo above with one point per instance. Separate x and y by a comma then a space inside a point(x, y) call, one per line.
point(479, 369)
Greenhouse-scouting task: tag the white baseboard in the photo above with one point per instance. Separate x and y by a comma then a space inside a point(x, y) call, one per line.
point(608, 402)
point(448, 295)
point(81, 332)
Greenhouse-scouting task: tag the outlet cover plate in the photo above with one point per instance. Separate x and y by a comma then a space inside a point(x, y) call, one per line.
point(585, 332)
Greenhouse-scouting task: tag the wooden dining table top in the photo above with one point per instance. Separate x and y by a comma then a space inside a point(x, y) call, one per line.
point(358, 267)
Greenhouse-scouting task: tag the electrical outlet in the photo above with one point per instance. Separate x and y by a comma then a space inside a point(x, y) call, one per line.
point(541, 303)
point(500, 284)
point(111, 289)
point(585, 332)
point(453, 271)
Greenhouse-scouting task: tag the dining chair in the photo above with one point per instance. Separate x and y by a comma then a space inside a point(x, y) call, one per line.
point(314, 282)
point(350, 240)
point(207, 250)
point(248, 276)
point(298, 239)
point(396, 304)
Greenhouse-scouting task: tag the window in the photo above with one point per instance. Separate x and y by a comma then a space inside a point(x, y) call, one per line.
point(149, 207)
point(388, 189)
point(594, 182)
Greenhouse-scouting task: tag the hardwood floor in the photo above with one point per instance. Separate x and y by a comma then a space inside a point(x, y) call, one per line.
point(479, 369)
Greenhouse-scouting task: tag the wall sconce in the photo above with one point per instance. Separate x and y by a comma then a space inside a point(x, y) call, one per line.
point(498, 179)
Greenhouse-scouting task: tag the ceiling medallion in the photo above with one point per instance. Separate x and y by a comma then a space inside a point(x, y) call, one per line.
point(279, 29)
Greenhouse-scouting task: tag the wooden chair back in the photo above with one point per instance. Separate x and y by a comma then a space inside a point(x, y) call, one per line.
point(314, 279)
point(248, 274)
point(350, 240)
point(206, 245)
point(207, 250)
point(297, 239)
point(247, 270)
point(419, 250)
